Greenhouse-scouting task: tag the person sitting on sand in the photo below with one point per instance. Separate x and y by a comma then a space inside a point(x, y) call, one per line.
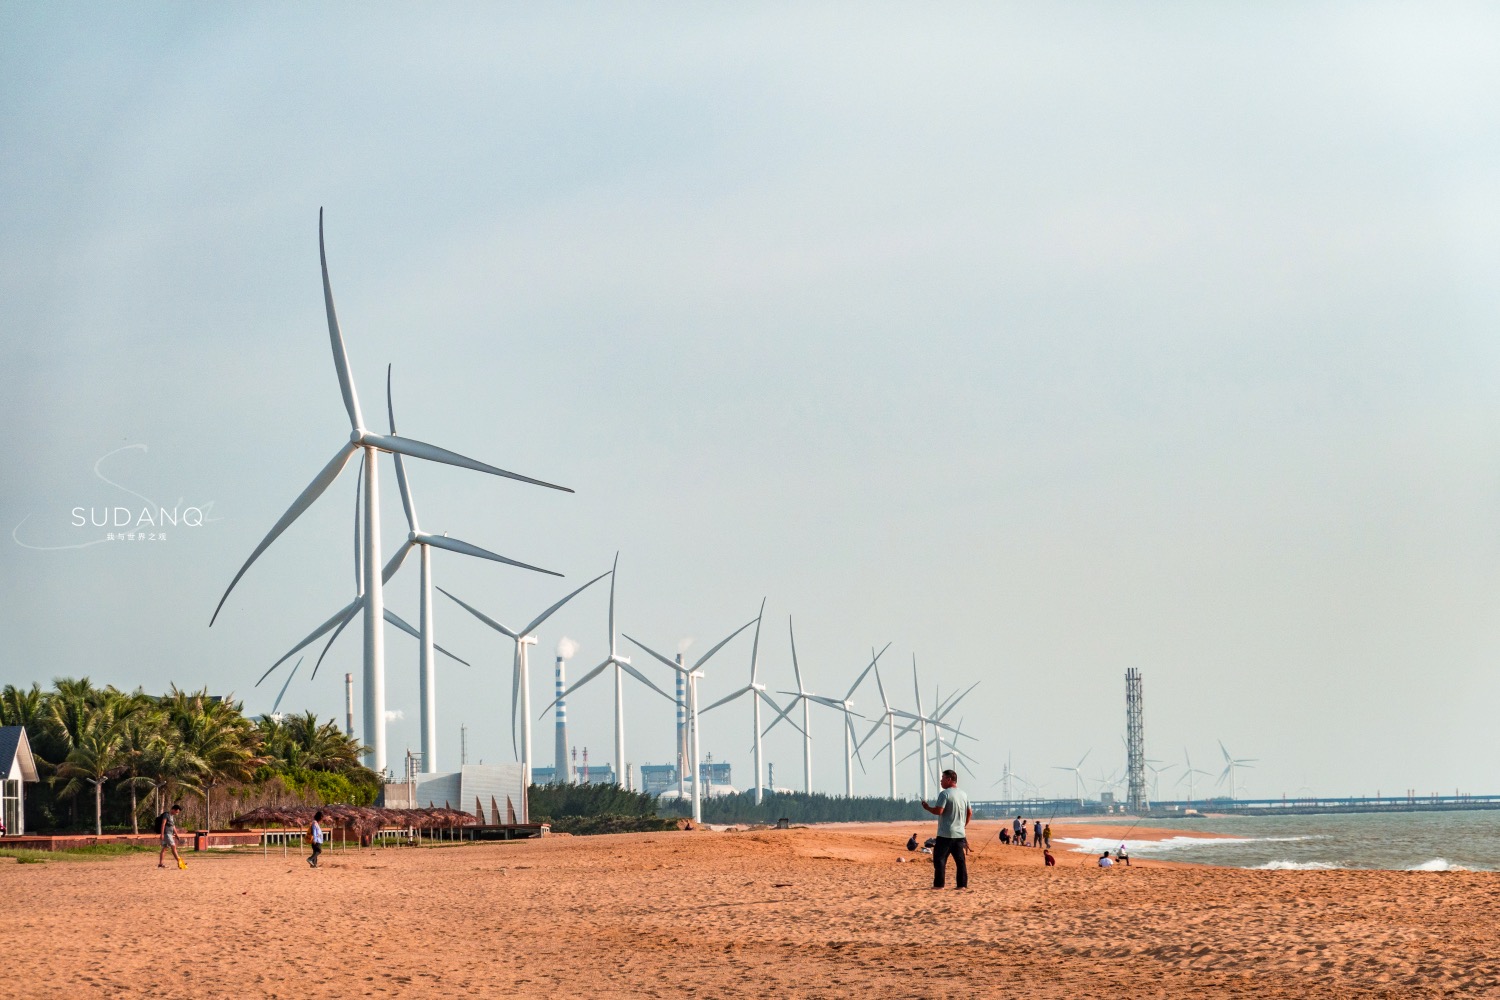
point(1004, 836)
point(1122, 857)
point(928, 845)
point(911, 845)
point(1105, 861)
point(1047, 857)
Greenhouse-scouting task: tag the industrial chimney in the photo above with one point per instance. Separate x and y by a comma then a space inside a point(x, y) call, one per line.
point(349, 705)
point(560, 774)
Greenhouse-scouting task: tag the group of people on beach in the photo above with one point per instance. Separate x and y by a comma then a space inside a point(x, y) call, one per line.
point(1040, 834)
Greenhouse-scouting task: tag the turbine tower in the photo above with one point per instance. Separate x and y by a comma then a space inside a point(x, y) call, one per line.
point(361, 439)
point(693, 674)
point(1135, 744)
point(520, 671)
point(622, 667)
point(757, 692)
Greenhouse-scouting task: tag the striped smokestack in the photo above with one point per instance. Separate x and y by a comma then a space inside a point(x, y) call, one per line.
point(681, 726)
point(349, 705)
point(561, 775)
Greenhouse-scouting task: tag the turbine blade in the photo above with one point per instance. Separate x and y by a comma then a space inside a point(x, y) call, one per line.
point(726, 700)
point(480, 615)
point(339, 617)
point(783, 714)
point(277, 704)
point(651, 652)
point(395, 561)
point(352, 613)
point(315, 489)
point(613, 570)
point(755, 644)
point(401, 623)
point(722, 643)
point(406, 502)
point(464, 548)
point(432, 453)
point(632, 671)
point(537, 621)
point(796, 672)
point(340, 356)
point(359, 483)
point(515, 700)
point(451, 656)
point(855, 686)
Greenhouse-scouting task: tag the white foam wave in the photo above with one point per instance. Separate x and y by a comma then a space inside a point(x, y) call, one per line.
point(1437, 865)
point(1094, 845)
point(1298, 866)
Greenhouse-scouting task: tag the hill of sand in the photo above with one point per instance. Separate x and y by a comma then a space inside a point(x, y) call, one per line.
point(821, 912)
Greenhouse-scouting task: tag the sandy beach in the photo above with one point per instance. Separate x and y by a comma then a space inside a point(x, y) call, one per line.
point(820, 912)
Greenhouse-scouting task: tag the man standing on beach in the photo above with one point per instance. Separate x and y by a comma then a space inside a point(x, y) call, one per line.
point(169, 838)
point(953, 813)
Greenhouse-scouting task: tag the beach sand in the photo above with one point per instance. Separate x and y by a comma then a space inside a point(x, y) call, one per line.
point(827, 911)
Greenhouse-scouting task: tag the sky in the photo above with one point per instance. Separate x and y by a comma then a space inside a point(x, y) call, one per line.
point(1039, 342)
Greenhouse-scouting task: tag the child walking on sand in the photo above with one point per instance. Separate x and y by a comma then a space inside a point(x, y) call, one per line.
point(167, 825)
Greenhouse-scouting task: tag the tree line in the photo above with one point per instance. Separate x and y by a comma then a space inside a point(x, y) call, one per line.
point(132, 754)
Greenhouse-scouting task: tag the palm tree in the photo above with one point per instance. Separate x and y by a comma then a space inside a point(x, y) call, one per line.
point(21, 707)
point(224, 752)
point(98, 754)
point(144, 742)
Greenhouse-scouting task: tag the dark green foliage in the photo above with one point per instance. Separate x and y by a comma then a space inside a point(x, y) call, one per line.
point(553, 803)
point(799, 808)
point(129, 755)
point(586, 825)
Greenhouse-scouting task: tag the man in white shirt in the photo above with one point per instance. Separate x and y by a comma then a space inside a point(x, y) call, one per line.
point(953, 813)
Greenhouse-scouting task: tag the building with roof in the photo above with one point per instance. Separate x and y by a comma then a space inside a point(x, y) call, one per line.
point(17, 767)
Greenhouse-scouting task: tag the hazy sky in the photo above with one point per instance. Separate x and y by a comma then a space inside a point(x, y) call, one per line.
point(1041, 343)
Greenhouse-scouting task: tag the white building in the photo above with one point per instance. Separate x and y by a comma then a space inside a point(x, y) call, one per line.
point(17, 767)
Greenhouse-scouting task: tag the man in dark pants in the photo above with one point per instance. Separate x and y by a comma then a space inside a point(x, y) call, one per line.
point(953, 813)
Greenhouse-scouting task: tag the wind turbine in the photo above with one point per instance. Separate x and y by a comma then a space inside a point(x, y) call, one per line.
point(1189, 772)
point(888, 718)
point(361, 439)
point(1156, 773)
point(1077, 770)
point(1230, 763)
point(693, 674)
point(622, 666)
point(846, 706)
point(288, 684)
point(757, 692)
point(802, 696)
point(520, 674)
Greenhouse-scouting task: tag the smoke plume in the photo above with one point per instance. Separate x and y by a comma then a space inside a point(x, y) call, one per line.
point(566, 647)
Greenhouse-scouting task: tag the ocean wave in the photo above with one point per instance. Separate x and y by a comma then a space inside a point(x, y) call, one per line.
point(1437, 865)
point(1298, 866)
point(1094, 845)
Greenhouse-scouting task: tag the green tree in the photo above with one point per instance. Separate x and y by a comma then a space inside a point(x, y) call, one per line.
point(98, 754)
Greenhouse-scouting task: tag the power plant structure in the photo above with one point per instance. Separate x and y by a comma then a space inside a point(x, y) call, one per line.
point(560, 773)
point(349, 705)
point(1135, 744)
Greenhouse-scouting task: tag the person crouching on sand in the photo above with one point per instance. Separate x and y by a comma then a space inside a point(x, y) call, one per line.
point(953, 813)
point(1105, 861)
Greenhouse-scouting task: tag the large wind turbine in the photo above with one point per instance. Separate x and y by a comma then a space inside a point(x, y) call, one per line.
point(1230, 763)
point(361, 439)
point(757, 692)
point(520, 673)
point(622, 666)
point(693, 674)
point(887, 719)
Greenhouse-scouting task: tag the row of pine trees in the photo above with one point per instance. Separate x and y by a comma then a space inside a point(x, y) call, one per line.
point(125, 756)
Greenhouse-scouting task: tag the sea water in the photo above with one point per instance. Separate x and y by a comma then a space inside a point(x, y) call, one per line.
point(1415, 841)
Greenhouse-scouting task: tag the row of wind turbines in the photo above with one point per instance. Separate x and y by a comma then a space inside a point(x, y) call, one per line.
point(1010, 781)
point(372, 575)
